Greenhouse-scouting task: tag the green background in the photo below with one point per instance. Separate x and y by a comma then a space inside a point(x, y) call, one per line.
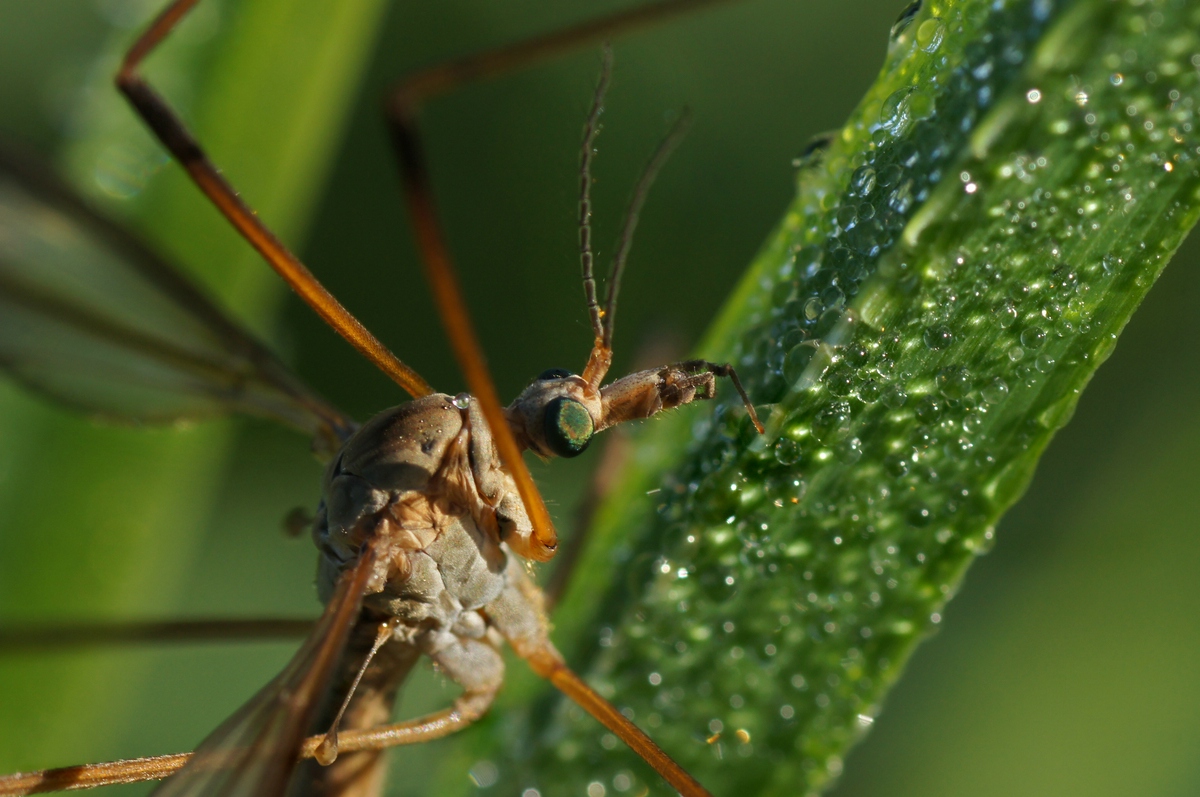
point(1066, 664)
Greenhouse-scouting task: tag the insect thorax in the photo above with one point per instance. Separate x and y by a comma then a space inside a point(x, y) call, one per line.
point(425, 476)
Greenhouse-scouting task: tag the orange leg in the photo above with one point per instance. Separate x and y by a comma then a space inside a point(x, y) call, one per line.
point(170, 130)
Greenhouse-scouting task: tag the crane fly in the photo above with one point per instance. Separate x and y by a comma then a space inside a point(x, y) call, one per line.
point(427, 512)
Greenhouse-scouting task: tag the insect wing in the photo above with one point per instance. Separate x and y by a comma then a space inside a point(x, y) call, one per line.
point(92, 318)
point(253, 753)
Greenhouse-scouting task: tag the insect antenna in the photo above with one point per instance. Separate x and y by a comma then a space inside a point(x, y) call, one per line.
point(640, 192)
point(591, 129)
point(602, 318)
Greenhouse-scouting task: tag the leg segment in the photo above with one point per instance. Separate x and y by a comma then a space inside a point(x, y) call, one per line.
point(475, 665)
point(17, 639)
point(645, 393)
point(518, 615)
point(442, 78)
point(170, 130)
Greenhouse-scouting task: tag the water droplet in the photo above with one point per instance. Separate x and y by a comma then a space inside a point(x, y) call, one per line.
point(929, 409)
point(905, 19)
point(870, 391)
point(846, 216)
point(921, 105)
point(894, 113)
point(1033, 337)
point(995, 391)
point(1005, 313)
point(938, 337)
point(797, 360)
point(787, 451)
point(813, 309)
point(850, 451)
point(832, 297)
point(930, 34)
point(839, 381)
point(895, 398)
point(862, 182)
point(954, 382)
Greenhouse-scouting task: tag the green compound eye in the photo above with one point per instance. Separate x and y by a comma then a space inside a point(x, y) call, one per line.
point(568, 427)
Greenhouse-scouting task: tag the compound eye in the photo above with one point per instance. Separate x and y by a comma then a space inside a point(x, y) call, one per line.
point(553, 373)
point(568, 427)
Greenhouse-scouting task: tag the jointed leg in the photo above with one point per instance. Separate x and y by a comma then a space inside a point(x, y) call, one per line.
point(171, 131)
point(439, 270)
point(472, 664)
point(420, 86)
point(518, 615)
point(79, 635)
point(613, 459)
point(644, 393)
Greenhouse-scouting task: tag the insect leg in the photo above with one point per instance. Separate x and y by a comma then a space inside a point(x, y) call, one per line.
point(170, 130)
point(517, 614)
point(445, 77)
point(439, 270)
point(614, 457)
point(474, 665)
point(90, 776)
point(644, 393)
point(17, 639)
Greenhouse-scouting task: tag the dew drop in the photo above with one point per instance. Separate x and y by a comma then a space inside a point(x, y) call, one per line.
point(895, 398)
point(787, 451)
point(813, 308)
point(846, 216)
point(894, 113)
point(1033, 337)
point(1005, 313)
point(929, 409)
point(938, 337)
point(921, 105)
point(995, 391)
point(862, 182)
point(930, 34)
point(905, 19)
point(850, 451)
point(797, 360)
point(954, 382)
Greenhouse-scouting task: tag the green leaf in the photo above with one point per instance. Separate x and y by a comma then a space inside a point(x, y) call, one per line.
point(107, 519)
point(947, 280)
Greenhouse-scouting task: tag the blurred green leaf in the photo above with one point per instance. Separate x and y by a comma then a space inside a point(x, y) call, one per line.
point(946, 282)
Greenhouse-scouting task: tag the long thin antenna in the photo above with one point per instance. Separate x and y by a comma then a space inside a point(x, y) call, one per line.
point(590, 130)
point(640, 192)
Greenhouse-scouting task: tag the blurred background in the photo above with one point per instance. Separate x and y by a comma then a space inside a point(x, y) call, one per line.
point(1067, 663)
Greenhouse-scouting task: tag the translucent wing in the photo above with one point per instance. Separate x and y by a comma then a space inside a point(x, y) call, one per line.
point(90, 317)
point(253, 753)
